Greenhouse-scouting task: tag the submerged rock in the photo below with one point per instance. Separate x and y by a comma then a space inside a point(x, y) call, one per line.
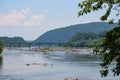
point(42, 64)
point(68, 79)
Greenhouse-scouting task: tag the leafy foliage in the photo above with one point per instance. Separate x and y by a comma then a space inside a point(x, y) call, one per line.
point(110, 48)
point(111, 51)
point(88, 6)
point(1, 46)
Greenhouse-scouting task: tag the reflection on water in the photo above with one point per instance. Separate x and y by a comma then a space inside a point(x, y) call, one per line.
point(1, 62)
point(29, 65)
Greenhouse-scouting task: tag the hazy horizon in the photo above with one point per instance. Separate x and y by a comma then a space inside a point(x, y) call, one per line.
point(43, 32)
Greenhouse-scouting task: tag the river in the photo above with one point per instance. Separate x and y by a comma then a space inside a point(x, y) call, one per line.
point(31, 65)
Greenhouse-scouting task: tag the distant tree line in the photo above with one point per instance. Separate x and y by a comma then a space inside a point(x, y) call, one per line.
point(89, 39)
point(8, 40)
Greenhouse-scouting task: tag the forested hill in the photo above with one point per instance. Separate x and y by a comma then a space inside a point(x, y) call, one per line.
point(89, 39)
point(66, 33)
point(9, 40)
point(6, 40)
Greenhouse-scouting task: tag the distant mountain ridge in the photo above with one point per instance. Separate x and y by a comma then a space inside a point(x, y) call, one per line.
point(66, 33)
point(12, 40)
point(8, 40)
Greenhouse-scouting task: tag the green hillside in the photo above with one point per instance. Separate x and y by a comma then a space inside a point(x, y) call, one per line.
point(89, 39)
point(66, 33)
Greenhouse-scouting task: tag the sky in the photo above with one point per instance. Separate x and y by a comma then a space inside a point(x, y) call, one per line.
point(31, 18)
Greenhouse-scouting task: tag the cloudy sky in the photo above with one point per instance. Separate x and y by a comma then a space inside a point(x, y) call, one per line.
point(31, 18)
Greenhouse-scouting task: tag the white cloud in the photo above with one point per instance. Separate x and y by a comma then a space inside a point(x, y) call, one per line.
point(26, 10)
point(14, 18)
point(22, 18)
point(34, 20)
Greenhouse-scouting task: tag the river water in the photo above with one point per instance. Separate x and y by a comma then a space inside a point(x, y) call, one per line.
point(30, 65)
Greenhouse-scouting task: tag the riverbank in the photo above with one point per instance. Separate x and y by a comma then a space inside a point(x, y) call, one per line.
point(68, 50)
point(25, 64)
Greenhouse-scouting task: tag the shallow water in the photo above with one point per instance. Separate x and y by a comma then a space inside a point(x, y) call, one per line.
point(30, 65)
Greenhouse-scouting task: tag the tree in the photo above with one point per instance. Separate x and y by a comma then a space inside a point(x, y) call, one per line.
point(88, 6)
point(110, 48)
point(1, 46)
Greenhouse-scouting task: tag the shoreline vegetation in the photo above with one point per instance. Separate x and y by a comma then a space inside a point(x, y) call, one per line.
point(1, 47)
